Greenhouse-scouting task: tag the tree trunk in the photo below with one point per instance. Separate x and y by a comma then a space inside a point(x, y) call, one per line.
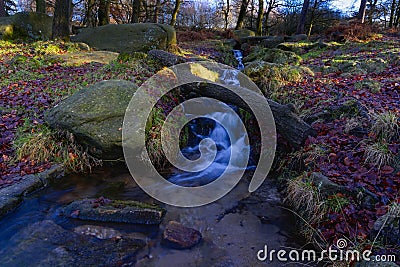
point(312, 17)
point(62, 11)
point(291, 127)
point(271, 6)
point(3, 12)
point(90, 16)
point(397, 20)
point(361, 11)
point(175, 12)
point(41, 6)
point(260, 17)
point(242, 14)
point(135, 11)
point(226, 14)
point(157, 11)
point(372, 9)
point(104, 12)
point(303, 16)
point(392, 13)
point(252, 14)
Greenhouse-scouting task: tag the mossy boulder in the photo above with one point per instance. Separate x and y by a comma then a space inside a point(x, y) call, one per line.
point(128, 38)
point(243, 33)
point(95, 115)
point(298, 47)
point(272, 41)
point(117, 211)
point(351, 66)
point(26, 25)
point(271, 76)
point(273, 55)
point(296, 37)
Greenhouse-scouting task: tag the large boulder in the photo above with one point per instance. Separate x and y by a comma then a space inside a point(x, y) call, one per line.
point(128, 38)
point(242, 33)
point(26, 24)
point(95, 115)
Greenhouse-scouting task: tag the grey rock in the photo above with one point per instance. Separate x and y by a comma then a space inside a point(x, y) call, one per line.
point(104, 210)
point(178, 236)
point(169, 59)
point(12, 196)
point(128, 38)
point(296, 38)
point(326, 186)
point(386, 229)
point(47, 244)
point(95, 115)
point(243, 33)
point(26, 24)
point(272, 41)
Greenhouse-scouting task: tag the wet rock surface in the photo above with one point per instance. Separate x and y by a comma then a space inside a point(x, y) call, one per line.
point(178, 236)
point(47, 244)
point(233, 229)
point(12, 196)
point(104, 210)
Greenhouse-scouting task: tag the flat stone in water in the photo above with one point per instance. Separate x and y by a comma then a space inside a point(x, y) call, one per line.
point(47, 244)
point(180, 237)
point(104, 210)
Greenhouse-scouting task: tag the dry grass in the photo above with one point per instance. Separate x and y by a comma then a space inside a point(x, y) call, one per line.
point(353, 31)
point(306, 200)
point(47, 145)
point(352, 123)
point(378, 154)
point(386, 126)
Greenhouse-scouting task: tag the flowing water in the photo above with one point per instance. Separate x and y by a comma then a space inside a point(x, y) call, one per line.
point(239, 56)
point(234, 228)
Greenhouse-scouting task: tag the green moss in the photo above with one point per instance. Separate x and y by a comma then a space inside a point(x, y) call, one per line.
point(273, 55)
point(349, 109)
point(336, 202)
point(271, 76)
point(131, 203)
point(125, 57)
point(369, 84)
point(298, 47)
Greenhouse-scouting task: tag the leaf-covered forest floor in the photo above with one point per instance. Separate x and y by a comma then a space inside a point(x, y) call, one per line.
point(352, 101)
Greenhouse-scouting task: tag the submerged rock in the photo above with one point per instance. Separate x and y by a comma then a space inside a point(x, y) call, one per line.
point(95, 115)
point(97, 231)
point(179, 236)
point(104, 210)
point(128, 38)
point(48, 244)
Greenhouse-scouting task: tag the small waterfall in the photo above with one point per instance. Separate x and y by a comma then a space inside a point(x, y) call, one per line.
point(227, 141)
point(239, 56)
